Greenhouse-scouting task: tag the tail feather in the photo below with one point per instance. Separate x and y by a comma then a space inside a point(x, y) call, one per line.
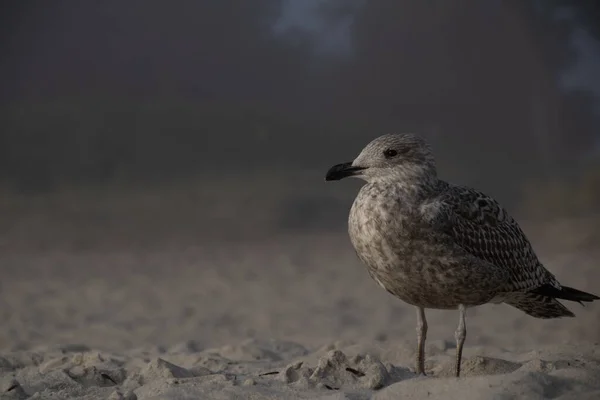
point(565, 293)
point(538, 306)
point(542, 302)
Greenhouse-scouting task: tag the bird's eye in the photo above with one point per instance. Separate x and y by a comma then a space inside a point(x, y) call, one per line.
point(389, 153)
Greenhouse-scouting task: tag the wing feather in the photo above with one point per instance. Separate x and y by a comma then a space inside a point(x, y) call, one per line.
point(483, 228)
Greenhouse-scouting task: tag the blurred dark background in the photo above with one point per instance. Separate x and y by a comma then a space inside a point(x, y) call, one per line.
point(220, 109)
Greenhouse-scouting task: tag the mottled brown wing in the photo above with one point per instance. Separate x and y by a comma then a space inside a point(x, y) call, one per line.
point(479, 225)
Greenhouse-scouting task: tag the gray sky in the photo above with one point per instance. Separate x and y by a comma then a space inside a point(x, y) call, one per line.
point(585, 73)
point(304, 15)
point(336, 39)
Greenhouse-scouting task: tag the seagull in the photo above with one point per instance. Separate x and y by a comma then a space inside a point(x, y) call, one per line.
point(437, 245)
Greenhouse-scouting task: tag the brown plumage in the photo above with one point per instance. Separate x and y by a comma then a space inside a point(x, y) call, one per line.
point(436, 245)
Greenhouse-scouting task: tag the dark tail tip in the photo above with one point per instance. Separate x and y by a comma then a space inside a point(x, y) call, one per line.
point(565, 293)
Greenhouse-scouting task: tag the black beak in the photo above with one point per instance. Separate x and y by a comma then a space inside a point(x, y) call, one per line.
point(341, 171)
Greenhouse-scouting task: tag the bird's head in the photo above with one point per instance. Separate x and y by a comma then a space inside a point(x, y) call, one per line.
point(399, 157)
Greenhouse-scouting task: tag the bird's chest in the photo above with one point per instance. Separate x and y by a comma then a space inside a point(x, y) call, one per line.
point(400, 251)
point(382, 230)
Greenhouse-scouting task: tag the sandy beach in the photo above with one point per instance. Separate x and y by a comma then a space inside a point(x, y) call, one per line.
point(287, 316)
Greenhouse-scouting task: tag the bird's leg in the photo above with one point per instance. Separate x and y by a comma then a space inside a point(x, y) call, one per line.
point(421, 336)
point(460, 335)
